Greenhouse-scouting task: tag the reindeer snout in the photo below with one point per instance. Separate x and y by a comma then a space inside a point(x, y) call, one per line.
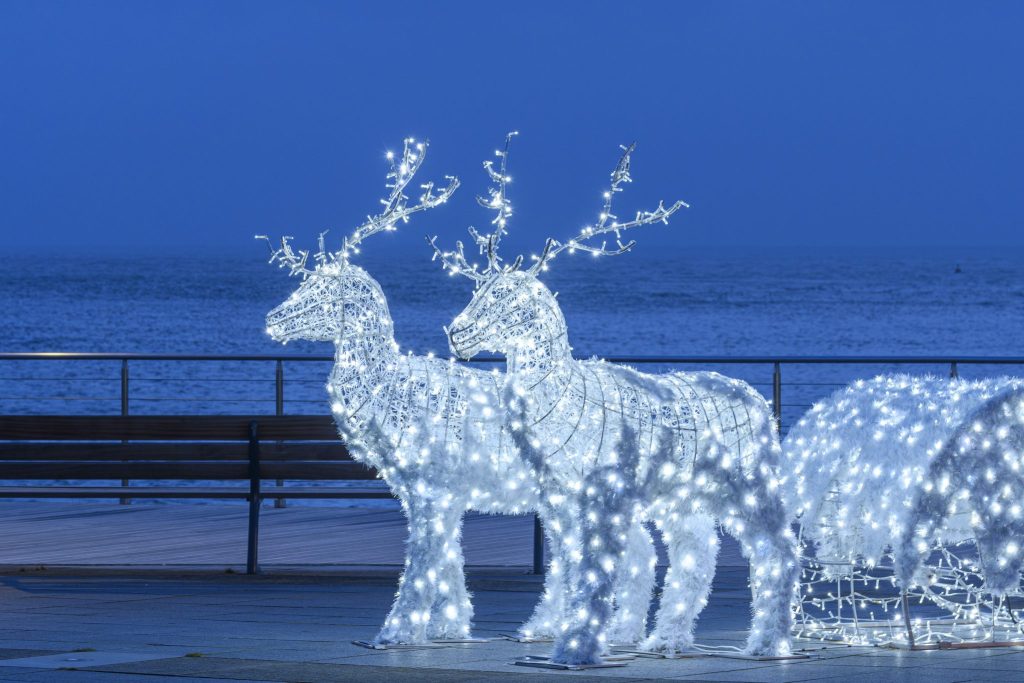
point(459, 338)
point(274, 327)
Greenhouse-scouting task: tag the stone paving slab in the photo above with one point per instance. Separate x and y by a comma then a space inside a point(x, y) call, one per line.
point(245, 670)
point(300, 629)
point(81, 660)
point(83, 533)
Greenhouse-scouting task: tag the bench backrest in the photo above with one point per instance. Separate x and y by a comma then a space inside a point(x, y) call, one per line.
point(187, 447)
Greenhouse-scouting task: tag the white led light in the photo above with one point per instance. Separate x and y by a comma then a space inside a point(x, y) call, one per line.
point(430, 427)
point(902, 478)
point(611, 447)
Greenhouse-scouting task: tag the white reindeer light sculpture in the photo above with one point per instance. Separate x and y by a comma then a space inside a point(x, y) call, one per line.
point(909, 490)
point(405, 416)
point(575, 412)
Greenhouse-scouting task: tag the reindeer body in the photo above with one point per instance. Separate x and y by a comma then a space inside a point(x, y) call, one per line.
point(417, 420)
point(723, 458)
point(418, 409)
point(977, 476)
point(899, 464)
point(717, 457)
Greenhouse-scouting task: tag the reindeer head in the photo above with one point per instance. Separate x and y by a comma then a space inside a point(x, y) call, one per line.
point(512, 309)
point(335, 295)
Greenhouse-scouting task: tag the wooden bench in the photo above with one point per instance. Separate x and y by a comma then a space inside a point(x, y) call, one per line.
point(225, 448)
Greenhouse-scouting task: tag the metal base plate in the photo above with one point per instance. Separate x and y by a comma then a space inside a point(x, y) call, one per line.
point(648, 654)
point(516, 638)
point(695, 654)
point(970, 645)
point(546, 663)
point(756, 658)
point(370, 645)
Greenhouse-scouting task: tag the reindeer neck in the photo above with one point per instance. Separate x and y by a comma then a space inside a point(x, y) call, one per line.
point(359, 350)
point(545, 347)
point(366, 342)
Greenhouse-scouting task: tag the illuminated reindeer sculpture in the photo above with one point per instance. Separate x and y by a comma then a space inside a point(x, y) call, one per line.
point(914, 482)
point(723, 445)
point(405, 416)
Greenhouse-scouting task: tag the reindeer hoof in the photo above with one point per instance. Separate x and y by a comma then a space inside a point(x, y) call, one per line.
point(665, 644)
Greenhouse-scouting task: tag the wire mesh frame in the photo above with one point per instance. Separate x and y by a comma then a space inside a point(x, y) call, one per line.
point(852, 603)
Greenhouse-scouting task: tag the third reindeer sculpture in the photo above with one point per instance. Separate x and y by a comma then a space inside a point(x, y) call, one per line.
point(577, 411)
point(889, 471)
point(405, 415)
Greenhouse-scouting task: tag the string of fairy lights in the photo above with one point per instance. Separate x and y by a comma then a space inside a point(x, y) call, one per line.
point(597, 428)
point(894, 481)
point(432, 428)
point(908, 490)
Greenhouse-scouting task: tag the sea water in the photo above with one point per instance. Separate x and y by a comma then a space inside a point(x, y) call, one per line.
point(674, 302)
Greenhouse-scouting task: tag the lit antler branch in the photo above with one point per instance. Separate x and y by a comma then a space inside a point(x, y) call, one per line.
point(497, 200)
point(395, 207)
point(286, 258)
point(455, 261)
point(608, 222)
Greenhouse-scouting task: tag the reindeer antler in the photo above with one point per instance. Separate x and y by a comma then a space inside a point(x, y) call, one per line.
point(498, 201)
point(395, 207)
point(286, 258)
point(620, 176)
point(395, 210)
point(455, 261)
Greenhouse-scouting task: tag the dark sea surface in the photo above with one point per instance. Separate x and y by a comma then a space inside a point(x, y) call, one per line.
point(703, 303)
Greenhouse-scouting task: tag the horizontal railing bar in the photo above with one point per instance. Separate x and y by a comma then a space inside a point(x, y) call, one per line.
point(197, 399)
point(60, 398)
point(668, 360)
point(204, 378)
point(165, 427)
point(112, 378)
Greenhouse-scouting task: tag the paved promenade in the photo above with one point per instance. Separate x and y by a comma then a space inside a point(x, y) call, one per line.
point(199, 623)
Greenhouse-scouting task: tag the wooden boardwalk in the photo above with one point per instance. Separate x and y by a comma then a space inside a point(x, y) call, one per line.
point(81, 533)
point(213, 536)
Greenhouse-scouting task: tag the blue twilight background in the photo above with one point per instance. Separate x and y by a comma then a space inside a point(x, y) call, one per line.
point(186, 126)
point(841, 158)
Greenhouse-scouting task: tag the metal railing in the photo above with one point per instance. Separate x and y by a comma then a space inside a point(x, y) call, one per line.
point(952, 364)
point(803, 378)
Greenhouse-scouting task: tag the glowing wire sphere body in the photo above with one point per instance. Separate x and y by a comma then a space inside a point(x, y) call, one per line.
point(898, 470)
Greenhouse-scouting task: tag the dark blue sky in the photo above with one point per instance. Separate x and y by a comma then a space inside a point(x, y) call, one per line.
point(192, 125)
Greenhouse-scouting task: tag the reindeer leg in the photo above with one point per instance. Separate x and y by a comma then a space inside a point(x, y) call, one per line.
point(752, 512)
point(773, 573)
point(634, 584)
point(452, 613)
point(603, 523)
point(411, 612)
point(692, 542)
point(549, 613)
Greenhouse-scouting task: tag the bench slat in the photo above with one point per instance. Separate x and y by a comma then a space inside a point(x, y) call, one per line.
point(165, 427)
point(182, 493)
point(333, 451)
point(188, 471)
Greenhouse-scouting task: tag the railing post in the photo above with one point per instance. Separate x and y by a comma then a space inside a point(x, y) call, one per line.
point(279, 410)
point(252, 554)
point(124, 411)
point(954, 372)
point(777, 395)
point(538, 545)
